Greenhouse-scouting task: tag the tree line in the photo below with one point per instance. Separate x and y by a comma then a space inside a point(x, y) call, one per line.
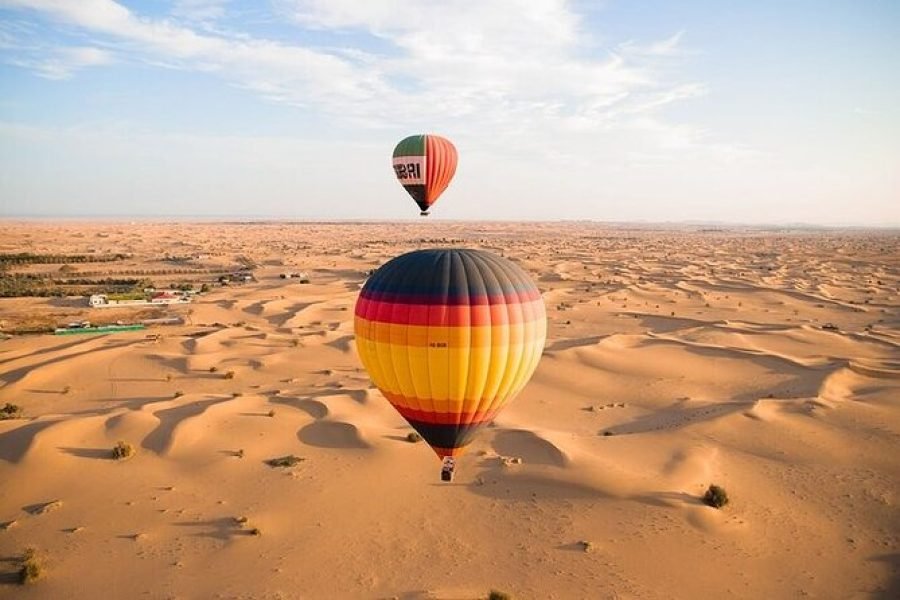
point(27, 258)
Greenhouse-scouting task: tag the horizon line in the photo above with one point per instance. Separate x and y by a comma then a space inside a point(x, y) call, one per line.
point(239, 219)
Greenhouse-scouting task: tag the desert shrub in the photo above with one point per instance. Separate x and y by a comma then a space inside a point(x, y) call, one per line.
point(31, 569)
point(495, 595)
point(284, 461)
point(229, 375)
point(123, 450)
point(11, 411)
point(413, 437)
point(271, 413)
point(715, 496)
point(178, 394)
point(256, 531)
point(240, 521)
point(213, 369)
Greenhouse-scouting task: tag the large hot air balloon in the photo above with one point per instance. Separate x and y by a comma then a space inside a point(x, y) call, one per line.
point(449, 336)
point(424, 165)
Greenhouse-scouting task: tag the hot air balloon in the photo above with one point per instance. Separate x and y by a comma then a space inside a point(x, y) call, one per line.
point(424, 165)
point(449, 336)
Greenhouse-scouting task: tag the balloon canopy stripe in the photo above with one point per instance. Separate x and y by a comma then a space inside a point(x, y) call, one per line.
point(441, 157)
point(432, 336)
point(414, 145)
point(449, 366)
point(439, 418)
point(451, 297)
point(447, 315)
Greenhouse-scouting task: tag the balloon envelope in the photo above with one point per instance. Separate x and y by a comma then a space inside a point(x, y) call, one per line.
point(424, 166)
point(449, 336)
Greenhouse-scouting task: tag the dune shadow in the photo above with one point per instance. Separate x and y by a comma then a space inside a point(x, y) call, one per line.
point(314, 408)
point(342, 343)
point(676, 416)
point(574, 343)
point(96, 453)
point(332, 434)
point(160, 438)
point(40, 508)
point(664, 324)
point(57, 348)
point(530, 447)
point(496, 483)
point(359, 396)
point(16, 442)
point(10, 377)
point(282, 318)
point(667, 499)
point(223, 528)
point(7, 576)
point(892, 588)
point(572, 547)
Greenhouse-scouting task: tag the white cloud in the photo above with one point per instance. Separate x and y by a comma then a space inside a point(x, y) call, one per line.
point(200, 10)
point(670, 46)
point(63, 62)
point(507, 65)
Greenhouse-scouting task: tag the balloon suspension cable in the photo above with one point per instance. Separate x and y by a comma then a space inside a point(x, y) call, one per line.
point(448, 468)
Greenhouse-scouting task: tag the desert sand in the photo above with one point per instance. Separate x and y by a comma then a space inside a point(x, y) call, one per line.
point(767, 362)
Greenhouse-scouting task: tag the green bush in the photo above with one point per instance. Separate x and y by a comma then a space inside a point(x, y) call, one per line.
point(31, 569)
point(11, 411)
point(123, 450)
point(715, 496)
point(284, 461)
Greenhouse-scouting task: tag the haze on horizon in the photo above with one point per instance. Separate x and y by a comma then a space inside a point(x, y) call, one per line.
point(763, 112)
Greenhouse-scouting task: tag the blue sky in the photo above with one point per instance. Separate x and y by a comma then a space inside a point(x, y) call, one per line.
point(754, 112)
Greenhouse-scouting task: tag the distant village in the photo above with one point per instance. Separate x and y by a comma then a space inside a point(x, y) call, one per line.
point(150, 299)
point(118, 280)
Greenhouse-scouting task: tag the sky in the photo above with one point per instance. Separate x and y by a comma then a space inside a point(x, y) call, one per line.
point(765, 112)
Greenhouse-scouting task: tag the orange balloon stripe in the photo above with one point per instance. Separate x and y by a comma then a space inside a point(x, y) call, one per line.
point(438, 418)
point(446, 337)
point(441, 160)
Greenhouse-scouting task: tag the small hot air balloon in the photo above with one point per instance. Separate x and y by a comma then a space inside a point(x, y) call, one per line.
point(449, 336)
point(424, 165)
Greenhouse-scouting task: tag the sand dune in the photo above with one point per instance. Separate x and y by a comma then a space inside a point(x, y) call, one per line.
point(768, 363)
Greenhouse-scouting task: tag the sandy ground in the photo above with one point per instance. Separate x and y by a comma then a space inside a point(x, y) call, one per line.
point(674, 359)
